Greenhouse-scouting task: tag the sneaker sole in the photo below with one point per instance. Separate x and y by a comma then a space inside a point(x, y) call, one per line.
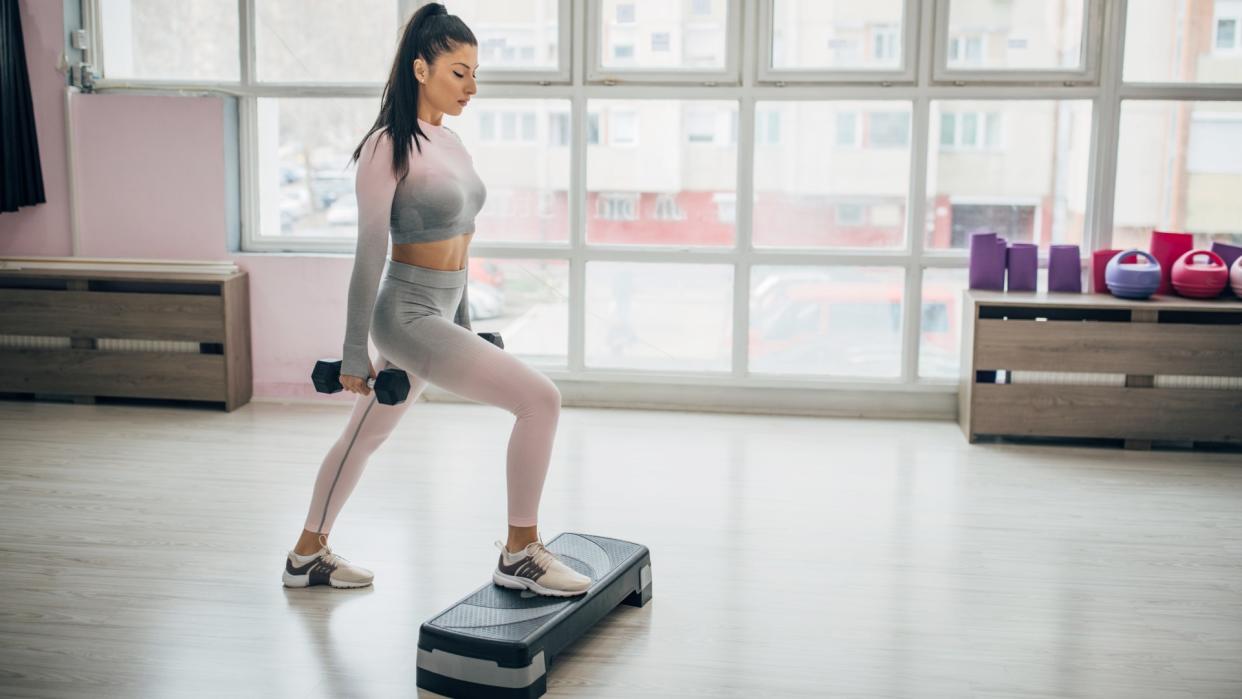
point(515, 583)
point(304, 581)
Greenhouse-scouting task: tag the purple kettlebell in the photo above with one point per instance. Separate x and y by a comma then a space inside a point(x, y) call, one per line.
point(1132, 281)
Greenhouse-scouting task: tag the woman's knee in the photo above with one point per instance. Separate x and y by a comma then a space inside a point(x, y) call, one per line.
point(542, 398)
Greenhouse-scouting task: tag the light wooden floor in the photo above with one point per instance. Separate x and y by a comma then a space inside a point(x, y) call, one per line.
point(141, 550)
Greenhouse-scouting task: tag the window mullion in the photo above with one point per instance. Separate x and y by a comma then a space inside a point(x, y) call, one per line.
point(247, 127)
point(920, 144)
point(246, 21)
point(577, 196)
point(1102, 170)
point(745, 186)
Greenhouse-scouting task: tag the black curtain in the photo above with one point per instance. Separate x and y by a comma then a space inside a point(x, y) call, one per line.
point(22, 177)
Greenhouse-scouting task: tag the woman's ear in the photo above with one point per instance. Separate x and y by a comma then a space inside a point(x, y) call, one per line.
point(420, 70)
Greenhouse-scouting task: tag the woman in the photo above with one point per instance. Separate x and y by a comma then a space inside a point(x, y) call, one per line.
point(416, 181)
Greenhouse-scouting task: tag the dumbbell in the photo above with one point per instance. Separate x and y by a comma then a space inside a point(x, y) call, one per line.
point(391, 386)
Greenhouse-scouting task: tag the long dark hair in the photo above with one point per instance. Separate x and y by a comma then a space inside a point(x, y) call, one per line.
point(429, 33)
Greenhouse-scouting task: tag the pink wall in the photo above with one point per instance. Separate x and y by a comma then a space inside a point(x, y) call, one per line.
point(297, 315)
point(150, 176)
point(43, 229)
point(151, 184)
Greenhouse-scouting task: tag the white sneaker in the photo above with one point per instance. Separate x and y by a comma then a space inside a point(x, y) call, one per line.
point(536, 569)
point(324, 568)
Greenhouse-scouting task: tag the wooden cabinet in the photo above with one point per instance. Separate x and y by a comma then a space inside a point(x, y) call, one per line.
point(126, 334)
point(1090, 365)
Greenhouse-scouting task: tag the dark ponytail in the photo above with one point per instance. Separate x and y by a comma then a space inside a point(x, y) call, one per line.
point(429, 33)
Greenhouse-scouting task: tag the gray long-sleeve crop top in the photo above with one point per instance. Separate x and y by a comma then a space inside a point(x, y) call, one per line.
point(437, 200)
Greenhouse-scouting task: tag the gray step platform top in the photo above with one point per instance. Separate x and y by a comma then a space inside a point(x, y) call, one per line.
point(499, 614)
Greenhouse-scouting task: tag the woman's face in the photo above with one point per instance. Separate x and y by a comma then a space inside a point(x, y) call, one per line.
point(450, 82)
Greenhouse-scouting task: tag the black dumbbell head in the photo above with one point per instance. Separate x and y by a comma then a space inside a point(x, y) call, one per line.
point(392, 386)
point(327, 376)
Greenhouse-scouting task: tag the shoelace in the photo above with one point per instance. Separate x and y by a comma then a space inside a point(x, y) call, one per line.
point(332, 558)
point(541, 556)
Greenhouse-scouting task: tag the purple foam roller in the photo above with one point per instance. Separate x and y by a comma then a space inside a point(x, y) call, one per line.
point(1023, 266)
point(987, 262)
point(1064, 269)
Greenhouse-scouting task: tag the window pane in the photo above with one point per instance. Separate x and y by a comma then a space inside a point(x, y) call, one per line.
point(1016, 35)
point(326, 41)
point(940, 331)
point(832, 321)
point(676, 317)
point(822, 185)
point(159, 40)
point(512, 34)
point(837, 34)
point(524, 162)
point(663, 34)
point(527, 301)
point(1028, 188)
point(329, 41)
point(1179, 168)
point(1183, 42)
point(697, 155)
point(306, 185)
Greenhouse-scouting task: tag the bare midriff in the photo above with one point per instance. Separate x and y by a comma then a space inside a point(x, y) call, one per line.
point(446, 255)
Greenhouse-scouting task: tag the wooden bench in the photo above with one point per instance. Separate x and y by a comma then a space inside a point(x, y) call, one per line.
point(1091, 365)
point(164, 335)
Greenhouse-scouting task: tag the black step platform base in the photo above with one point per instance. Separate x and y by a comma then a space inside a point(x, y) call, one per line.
point(500, 643)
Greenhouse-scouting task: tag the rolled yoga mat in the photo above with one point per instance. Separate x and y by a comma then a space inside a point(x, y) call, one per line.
point(987, 261)
point(1023, 266)
point(1064, 269)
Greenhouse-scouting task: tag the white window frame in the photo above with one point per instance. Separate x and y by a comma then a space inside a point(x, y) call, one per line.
point(1217, 18)
point(888, 36)
point(981, 117)
point(740, 388)
point(1088, 72)
point(870, 114)
point(905, 74)
point(963, 41)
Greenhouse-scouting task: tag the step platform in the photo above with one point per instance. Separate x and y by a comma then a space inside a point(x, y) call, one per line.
point(498, 642)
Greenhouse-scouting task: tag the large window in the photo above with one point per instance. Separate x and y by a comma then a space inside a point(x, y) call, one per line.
point(657, 208)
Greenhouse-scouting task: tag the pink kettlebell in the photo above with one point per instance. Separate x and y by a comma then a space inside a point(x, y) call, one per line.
point(1235, 276)
point(1196, 280)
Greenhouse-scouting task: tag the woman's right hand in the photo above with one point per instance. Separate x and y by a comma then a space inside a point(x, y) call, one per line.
point(357, 384)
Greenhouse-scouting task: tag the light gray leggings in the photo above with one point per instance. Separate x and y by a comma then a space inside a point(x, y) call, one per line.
point(412, 329)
